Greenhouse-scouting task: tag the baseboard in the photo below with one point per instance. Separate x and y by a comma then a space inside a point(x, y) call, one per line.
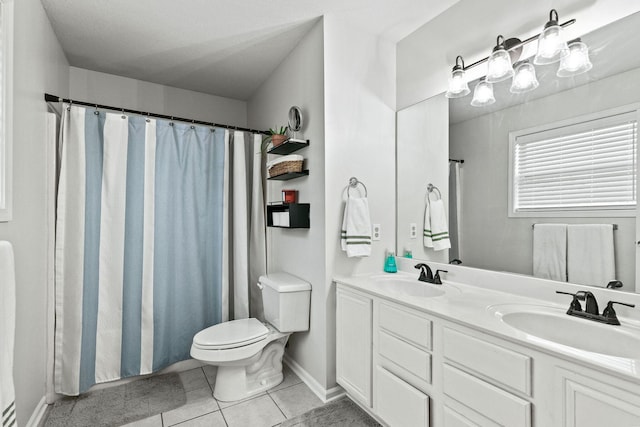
point(326, 395)
point(38, 413)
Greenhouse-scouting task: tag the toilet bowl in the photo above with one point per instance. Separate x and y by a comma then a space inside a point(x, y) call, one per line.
point(248, 352)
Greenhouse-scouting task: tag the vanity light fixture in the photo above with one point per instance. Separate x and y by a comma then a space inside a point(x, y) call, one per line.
point(483, 94)
point(577, 61)
point(551, 43)
point(525, 79)
point(552, 47)
point(499, 66)
point(458, 86)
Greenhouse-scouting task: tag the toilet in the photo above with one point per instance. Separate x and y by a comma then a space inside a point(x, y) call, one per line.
point(247, 352)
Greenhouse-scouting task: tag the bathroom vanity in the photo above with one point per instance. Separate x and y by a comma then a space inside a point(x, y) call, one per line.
point(419, 354)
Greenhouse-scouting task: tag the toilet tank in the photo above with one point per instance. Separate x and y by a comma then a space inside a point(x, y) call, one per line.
point(286, 300)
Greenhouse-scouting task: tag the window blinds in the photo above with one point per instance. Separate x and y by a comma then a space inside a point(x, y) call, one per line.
point(583, 166)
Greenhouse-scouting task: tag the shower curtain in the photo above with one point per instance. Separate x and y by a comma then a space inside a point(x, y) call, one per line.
point(142, 260)
point(455, 209)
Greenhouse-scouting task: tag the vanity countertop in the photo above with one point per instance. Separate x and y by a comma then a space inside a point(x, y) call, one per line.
point(480, 308)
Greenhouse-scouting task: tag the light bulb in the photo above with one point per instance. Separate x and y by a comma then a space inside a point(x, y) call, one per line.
point(551, 43)
point(499, 64)
point(576, 62)
point(524, 79)
point(483, 94)
point(458, 86)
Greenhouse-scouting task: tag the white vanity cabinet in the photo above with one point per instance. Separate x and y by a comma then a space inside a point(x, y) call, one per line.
point(410, 367)
point(353, 344)
point(402, 343)
point(489, 383)
point(586, 401)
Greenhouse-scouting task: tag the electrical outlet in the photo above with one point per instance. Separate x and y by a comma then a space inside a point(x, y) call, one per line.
point(376, 232)
point(413, 230)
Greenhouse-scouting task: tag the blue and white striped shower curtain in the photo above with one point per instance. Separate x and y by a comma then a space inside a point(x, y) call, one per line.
point(139, 244)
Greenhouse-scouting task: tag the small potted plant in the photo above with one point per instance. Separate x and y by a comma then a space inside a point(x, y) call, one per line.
point(277, 136)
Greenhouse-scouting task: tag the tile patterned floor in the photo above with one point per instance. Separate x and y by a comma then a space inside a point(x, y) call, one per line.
point(290, 398)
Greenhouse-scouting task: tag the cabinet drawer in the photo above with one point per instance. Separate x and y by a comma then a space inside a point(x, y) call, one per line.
point(490, 401)
point(398, 403)
point(406, 325)
point(506, 366)
point(454, 419)
point(414, 360)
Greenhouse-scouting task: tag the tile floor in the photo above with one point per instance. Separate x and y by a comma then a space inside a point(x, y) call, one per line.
point(289, 399)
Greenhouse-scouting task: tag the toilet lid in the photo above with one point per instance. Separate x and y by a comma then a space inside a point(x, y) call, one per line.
point(236, 333)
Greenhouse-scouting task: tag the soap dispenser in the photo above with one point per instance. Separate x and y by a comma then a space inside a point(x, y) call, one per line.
point(390, 263)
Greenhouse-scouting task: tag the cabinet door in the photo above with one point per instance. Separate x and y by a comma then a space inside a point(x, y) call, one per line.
point(590, 403)
point(353, 344)
point(398, 403)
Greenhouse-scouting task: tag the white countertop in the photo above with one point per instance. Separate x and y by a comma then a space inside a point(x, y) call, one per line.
point(475, 307)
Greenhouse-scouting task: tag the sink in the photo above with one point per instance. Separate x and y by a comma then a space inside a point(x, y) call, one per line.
point(409, 286)
point(554, 325)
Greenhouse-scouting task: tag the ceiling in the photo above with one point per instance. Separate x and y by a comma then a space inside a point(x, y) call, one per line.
point(221, 47)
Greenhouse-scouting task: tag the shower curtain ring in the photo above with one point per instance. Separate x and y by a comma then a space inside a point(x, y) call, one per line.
point(96, 112)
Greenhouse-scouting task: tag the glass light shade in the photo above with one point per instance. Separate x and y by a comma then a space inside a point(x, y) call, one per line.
point(551, 46)
point(458, 86)
point(576, 62)
point(525, 79)
point(499, 66)
point(483, 94)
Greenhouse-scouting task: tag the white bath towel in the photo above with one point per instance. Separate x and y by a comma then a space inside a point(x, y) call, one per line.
point(550, 251)
point(426, 231)
point(355, 236)
point(590, 254)
point(439, 228)
point(7, 334)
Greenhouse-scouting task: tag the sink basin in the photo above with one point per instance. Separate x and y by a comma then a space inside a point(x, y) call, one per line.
point(554, 325)
point(409, 286)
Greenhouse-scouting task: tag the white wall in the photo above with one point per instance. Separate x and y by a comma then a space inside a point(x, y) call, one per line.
point(469, 28)
point(39, 66)
point(490, 238)
point(299, 80)
point(359, 141)
point(422, 158)
point(344, 79)
point(116, 91)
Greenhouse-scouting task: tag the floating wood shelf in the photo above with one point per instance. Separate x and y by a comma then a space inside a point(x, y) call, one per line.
point(290, 175)
point(289, 146)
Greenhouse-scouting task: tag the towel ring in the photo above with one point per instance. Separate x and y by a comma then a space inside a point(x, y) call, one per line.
point(353, 183)
point(431, 188)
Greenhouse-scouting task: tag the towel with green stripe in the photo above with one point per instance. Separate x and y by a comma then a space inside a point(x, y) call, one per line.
point(355, 238)
point(436, 231)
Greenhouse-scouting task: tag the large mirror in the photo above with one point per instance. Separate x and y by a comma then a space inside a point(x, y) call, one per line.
point(485, 231)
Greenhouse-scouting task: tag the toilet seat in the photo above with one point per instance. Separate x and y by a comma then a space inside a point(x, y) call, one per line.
point(232, 334)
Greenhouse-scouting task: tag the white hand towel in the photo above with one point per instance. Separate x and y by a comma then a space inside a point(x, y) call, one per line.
point(355, 238)
point(7, 334)
point(426, 232)
point(439, 228)
point(550, 251)
point(590, 254)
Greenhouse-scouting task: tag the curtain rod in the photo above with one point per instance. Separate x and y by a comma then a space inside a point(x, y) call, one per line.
point(457, 161)
point(53, 98)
